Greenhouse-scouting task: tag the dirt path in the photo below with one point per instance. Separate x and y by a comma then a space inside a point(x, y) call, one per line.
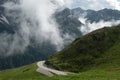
point(49, 71)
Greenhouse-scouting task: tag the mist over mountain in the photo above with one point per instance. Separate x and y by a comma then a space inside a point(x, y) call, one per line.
point(29, 35)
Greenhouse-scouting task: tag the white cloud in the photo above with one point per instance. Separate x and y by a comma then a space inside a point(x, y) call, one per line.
point(89, 27)
point(114, 3)
point(94, 4)
point(35, 20)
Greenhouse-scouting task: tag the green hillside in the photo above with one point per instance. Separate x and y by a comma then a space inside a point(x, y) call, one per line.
point(100, 48)
point(29, 73)
point(23, 73)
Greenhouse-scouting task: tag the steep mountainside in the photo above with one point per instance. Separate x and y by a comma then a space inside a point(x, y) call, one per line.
point(92, 50)
point(69, 23)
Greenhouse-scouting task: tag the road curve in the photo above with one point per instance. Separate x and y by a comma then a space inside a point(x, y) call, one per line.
point(43, 69)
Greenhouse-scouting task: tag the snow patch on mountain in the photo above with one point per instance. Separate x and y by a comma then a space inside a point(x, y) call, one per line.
point(4, 20)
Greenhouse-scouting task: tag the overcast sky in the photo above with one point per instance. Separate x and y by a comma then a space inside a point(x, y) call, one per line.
point(93, 4)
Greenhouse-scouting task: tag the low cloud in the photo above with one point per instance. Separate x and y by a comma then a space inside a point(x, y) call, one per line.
point(89, 27)
point(93, 4)
point(34, 19)
point(114, 3)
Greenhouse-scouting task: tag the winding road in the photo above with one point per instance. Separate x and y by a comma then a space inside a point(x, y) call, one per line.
point(43, 69)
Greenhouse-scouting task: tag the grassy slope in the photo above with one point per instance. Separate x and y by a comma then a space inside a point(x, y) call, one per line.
point(31, 74)
point(99, 48)
point(23, 73)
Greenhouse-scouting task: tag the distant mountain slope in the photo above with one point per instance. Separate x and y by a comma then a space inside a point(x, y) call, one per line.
point(104, 14)
point(96, 16)
point(68, 23)
point(4, 23)
point(92, 50)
